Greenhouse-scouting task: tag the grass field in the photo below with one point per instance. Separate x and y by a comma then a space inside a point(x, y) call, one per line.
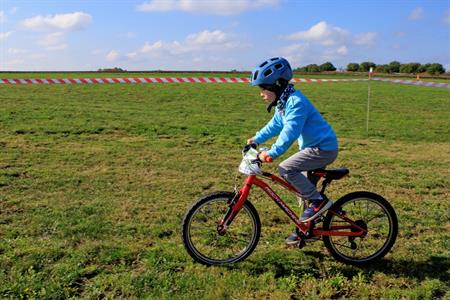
point(95, 179)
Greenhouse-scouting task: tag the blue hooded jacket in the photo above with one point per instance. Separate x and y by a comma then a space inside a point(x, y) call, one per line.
point(300, 121)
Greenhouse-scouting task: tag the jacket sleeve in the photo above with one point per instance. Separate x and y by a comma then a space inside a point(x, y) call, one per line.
point(272, 128)
point(295, 116)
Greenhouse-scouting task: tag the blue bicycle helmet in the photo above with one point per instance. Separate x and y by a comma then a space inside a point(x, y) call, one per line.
point(269, 71)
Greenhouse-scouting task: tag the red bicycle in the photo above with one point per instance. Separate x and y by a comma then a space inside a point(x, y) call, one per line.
point(224, 227)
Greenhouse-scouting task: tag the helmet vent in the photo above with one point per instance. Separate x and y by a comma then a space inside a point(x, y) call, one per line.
point(263, 64)
point(275, 58)
point(278, 66)
point(268, 72)
point(255, 75)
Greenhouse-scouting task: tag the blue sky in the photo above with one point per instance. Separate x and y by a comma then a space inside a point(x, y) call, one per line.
point(218, 34)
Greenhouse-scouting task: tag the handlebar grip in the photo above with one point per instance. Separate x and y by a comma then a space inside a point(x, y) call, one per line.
point(265, 157)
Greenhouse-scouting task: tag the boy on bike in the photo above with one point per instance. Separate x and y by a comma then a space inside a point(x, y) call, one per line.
point(295, 118)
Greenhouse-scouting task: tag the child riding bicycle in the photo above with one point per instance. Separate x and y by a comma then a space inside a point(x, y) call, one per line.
point(295, 118)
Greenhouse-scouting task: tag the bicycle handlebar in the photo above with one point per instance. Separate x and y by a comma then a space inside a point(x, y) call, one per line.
point(247, 147)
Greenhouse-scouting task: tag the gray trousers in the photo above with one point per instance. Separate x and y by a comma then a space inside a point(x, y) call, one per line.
point(305, 160)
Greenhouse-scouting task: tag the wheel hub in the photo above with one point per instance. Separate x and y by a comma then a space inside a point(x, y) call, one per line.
point(361, 224)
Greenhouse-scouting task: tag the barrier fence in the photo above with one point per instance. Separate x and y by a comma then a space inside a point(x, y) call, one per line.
point(143, 80)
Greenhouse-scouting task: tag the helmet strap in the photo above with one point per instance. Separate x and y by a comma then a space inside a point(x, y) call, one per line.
point(274, 103)
point(278, 88)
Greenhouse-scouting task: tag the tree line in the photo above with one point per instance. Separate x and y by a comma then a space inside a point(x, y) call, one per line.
point(392, 67)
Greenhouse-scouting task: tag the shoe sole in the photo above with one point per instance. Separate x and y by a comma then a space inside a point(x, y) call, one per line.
point(292, 243)
point(321, 211)
point(308, 240)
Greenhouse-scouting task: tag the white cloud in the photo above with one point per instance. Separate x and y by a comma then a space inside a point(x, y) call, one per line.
point(53, 41)
point(217, 7)
point(324, 42)
point(197, 42)
point(416, 14)
point(367, 39)
point(321, 33)
point(202, 50)
point(2, 17)
point(343, 50)
point(70, 21)
point(5, 35)
point(207, 37)
point(112, 56)
point(446, 19)
point(151, 47)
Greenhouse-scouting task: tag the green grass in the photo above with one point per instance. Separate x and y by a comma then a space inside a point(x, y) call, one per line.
point(94, 182)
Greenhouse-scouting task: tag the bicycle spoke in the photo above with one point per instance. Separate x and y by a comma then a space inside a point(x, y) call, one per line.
point(345, 246)
point(208, 246)
point(366, 212)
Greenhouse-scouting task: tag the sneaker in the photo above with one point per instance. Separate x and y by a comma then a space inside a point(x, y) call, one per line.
point(293, 239)
point(315, 209)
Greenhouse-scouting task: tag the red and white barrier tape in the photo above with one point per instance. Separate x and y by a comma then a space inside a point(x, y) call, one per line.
point(412, 82)
point(153, 80)
point(134, 80)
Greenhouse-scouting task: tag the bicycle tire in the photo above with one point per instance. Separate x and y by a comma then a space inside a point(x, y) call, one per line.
point(210, 248)
point(384, 224)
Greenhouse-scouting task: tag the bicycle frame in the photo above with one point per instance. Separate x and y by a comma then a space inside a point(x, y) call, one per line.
point(238, 201)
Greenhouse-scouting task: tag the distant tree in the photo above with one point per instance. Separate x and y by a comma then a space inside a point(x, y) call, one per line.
point(352, 67)
point(435, 68)
point(423, 68)
point(381, 68)
point(312, 68)
point(365, 66)
point(301, 69)
point(111, 70)
point(405, 68)
point(328, 66)
point(394, 67)
point(410, 68)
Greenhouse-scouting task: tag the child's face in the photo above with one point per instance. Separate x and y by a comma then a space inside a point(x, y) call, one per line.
point(267, 95)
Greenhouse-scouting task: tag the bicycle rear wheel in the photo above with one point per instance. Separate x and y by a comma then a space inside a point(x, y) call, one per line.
point(369, 211)
point(201, 237)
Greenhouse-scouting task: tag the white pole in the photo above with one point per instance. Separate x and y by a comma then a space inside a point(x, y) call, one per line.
point(368, 99)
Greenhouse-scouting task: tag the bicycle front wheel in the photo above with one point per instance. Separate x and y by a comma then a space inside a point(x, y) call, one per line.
point(202, 239)
point(371, 212)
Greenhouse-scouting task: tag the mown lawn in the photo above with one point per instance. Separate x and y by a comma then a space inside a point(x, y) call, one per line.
point(95, 179)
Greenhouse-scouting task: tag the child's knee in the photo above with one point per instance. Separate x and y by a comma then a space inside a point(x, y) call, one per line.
point(284, 169)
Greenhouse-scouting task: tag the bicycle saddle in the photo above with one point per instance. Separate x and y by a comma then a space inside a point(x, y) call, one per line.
point(333, 174)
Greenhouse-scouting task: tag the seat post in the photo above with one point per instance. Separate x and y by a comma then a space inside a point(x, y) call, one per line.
point(325, 183)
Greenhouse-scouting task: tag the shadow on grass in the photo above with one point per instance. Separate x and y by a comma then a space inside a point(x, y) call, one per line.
point(436, 267)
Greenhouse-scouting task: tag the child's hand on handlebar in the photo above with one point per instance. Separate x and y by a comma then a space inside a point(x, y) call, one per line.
point(265, 157)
